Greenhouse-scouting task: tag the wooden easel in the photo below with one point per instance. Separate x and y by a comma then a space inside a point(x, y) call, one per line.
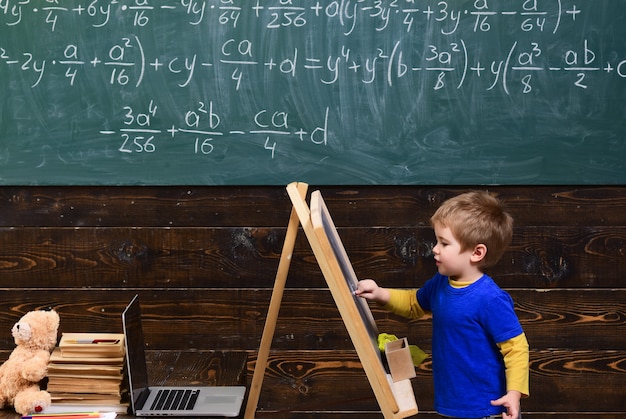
point(396, 399)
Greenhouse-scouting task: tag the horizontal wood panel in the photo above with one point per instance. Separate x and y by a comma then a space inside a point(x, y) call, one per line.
point(210, 368)
point(546, 257)
point(310, 381)
point(392, 206)
point(313, 383)
point(421, 415)
point(204, 260)
point(8, 414)
point(308, 319)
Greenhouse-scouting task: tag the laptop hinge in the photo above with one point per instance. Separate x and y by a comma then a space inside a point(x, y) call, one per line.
point(142, 398)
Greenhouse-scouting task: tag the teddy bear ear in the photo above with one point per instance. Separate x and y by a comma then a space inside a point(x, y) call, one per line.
point(53, 319)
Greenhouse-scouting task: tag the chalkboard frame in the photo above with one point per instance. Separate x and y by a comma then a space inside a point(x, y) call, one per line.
point(396, 399)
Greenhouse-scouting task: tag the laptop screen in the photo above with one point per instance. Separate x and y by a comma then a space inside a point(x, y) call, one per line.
point(135, 354)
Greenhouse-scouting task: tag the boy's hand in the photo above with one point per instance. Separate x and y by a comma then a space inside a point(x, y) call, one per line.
point(511, 401)
point(369, 290)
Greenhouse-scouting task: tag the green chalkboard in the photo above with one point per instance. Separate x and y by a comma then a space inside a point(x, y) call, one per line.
point(213, 92)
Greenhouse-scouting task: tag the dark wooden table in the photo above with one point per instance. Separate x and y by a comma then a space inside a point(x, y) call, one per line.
point(215, 368)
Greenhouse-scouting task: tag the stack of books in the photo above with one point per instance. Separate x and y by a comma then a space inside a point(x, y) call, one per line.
point(87, 370)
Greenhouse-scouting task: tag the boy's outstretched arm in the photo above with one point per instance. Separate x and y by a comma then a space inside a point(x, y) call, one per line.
point(370, 290)
point(400, 301)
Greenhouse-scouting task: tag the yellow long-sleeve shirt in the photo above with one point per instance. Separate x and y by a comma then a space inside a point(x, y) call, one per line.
point(514, 351)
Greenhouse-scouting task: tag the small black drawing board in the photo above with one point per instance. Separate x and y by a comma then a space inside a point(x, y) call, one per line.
point(321, 217)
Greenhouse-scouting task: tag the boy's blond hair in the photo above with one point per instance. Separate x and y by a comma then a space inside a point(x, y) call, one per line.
point(477, 218)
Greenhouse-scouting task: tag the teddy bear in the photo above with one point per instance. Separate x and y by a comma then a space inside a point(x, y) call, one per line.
point(35, 335)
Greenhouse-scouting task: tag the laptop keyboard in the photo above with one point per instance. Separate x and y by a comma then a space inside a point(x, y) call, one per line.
point(174, 399)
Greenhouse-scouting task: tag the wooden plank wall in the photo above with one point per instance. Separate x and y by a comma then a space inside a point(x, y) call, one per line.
point(203, 260)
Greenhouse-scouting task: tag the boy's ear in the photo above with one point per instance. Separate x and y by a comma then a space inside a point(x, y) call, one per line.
point(479, 253)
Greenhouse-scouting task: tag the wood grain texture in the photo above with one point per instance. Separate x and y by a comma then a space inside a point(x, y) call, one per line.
point(539, 257)
point(211, 368)
point(260, 206)
point(204, 260)
point(305, 381)
point(308, 319)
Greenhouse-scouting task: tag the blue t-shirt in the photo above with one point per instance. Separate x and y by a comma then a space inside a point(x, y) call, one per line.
point(468, 368)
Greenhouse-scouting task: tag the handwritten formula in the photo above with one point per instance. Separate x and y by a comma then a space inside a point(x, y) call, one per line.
point(97, 82)
point(126, 61)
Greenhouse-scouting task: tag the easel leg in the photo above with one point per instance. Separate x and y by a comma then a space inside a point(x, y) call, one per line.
point(272, 313)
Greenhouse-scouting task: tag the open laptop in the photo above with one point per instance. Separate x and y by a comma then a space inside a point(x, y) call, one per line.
point(170, 401)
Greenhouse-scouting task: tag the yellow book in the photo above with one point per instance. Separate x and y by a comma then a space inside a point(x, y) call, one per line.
point(88, 345)
point(57, 358)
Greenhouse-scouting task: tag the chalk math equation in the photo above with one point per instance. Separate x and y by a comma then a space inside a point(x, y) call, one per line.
point(203, 127)
point(388, 82)
point(127, 59)
point(126, 64)
point(295, 13)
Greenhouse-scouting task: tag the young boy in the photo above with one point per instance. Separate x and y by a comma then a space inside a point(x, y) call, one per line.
point(479, 350)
